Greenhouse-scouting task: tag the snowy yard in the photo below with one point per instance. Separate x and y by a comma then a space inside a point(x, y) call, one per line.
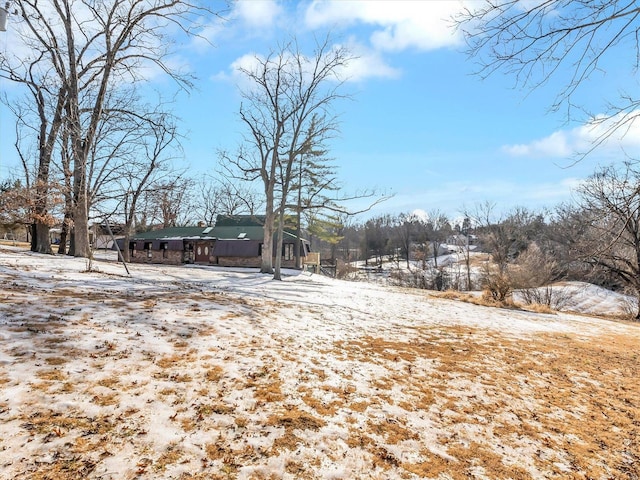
point(209, 373)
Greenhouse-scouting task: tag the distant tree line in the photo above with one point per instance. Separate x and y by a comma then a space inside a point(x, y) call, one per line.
point(595, 239)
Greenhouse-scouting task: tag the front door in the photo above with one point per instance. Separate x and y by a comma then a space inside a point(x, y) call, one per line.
point(202, 252)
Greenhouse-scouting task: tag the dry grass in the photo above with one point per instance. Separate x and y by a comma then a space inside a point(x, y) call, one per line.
point(581, 401)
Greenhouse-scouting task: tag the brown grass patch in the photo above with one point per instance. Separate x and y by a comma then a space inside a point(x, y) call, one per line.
point(292, 418)
point(70, 468)
point(538, 308)
point(217, 451)
point(169, 361)
point(67, 387)
point(321, 407)
point(51, 375)
point(109, 382)
point(205, 410)
point(47, 422)
point(105, 400)
point(170, 456)
point(56, 361)
point(176, 359)
point(214, 374)
point(392, 430)
point(266, 385)
point(484, 300)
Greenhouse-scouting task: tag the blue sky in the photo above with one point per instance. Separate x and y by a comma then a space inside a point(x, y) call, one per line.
point(420, 124)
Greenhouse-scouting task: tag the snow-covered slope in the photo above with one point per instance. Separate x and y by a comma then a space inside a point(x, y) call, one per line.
point(204, 372)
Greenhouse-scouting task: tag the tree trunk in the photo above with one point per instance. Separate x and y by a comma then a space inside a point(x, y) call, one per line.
point(435, 250)
point(297, 252)
point(279, 242)
point(64, 232)
point(267, 245)
point(125, 252)
point(297, 247)
point(81, 247)
point(40, 241)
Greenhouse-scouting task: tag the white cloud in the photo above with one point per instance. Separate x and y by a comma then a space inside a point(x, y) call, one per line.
point(257, 14)
point(399, 25)
point(248, 62)
point(568, 143)
point(559, 144)
point(367, 64)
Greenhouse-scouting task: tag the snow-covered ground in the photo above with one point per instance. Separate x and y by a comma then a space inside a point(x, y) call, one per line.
point(204, 372)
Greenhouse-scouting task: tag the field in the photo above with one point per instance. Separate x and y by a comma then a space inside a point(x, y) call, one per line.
point(208, 373)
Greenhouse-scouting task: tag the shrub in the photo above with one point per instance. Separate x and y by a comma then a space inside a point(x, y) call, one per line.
point(497, 286)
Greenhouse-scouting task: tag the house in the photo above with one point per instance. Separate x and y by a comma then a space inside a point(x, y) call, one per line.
point(459, 242)
point(233, 241)
point(102, 235)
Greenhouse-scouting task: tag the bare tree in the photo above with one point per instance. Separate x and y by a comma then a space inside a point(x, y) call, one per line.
point(437, 229)
point(150, 165)
point(39, 116)
point(286, 111)
point(407, 226)
point(534, 275)
point(611, 201)
point(505, 236)
point(540, 40)
point(118, 138)
point(377, 238)
point(213, 197)
point(169, 201)
point(82, 50)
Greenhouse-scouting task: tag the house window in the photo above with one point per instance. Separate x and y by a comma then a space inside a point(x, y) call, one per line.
point(287, 251)
point(132, 249)
point(147, 247)
point(164, 247)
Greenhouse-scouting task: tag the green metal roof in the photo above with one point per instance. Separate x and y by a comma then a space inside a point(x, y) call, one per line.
point(175, 232)
point(246, 232)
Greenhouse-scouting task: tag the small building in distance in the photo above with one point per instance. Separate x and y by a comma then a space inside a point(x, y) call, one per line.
point(235, 241)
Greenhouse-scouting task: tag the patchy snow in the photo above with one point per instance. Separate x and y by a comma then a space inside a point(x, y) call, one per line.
point(205, 372)
point(587, 298)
